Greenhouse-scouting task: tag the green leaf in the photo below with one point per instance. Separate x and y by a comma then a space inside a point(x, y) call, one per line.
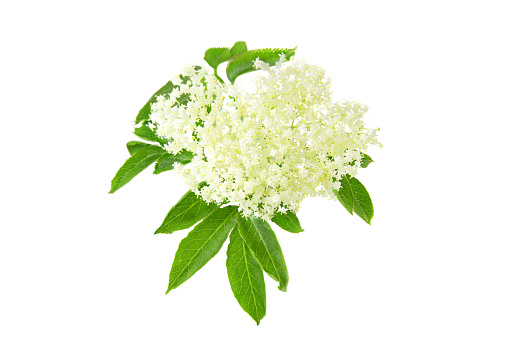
point(217, 55)
point(237, 48)
point(287, 221)
point(146, 133)
point(355, 198)
point(201, 244)
point(243, 62)
point(166, 162)
point(263, 242)
point(134, 146)
point(365, 160)
point(135, 164)
point(185, 213)
point(144, 113)
point(345, 195)
point(183, 99)
point(246, 277)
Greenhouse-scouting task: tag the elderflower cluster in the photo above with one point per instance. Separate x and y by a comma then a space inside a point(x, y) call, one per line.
point(263, 150)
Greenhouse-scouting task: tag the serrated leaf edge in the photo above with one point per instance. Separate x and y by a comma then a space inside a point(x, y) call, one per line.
point(281, 287)
point(170, 286)
point(115, 188)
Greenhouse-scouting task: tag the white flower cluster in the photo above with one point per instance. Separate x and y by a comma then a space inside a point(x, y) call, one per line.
point(263, 150)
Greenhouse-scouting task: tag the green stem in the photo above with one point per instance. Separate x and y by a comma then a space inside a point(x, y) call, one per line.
point(218, 77)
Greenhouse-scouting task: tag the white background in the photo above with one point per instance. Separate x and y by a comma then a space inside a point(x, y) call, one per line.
point(76, 262)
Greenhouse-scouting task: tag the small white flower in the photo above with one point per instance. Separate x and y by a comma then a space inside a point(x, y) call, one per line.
point(177, 81)
point(264, 150)
point(261, 64)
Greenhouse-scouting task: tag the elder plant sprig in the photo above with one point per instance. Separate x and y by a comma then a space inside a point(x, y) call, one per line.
point(249, 158)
